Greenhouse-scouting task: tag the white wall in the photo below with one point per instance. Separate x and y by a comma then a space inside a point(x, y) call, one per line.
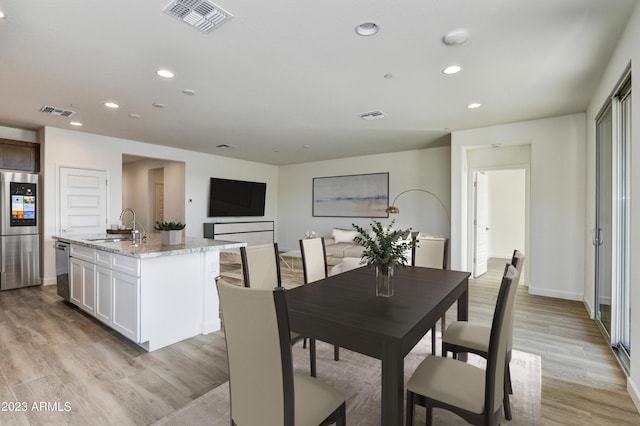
point(507, 189)
point(426, 169)
point(627, 52)
point(557, 191)
point(69, 148)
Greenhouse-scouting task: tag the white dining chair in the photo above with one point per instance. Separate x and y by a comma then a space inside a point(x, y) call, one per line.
point(431, 252)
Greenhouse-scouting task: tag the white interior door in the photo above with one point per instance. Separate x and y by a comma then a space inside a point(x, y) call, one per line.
point(481, 223)
point(83, 200)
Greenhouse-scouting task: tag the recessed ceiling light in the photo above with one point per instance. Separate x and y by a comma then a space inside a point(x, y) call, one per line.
point(158, 105)
point(452, 69)
point(367, 29)
point(1, 14)
point(189, 92)
point(134, 115)
point(388, 76)
point(112, 105)
point(165, 73)
point(455, 37)
point(75, 123)
point(474, 105)
point(225, 146)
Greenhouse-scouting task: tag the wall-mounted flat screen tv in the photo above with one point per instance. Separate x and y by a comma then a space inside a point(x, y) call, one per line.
point(228, 197)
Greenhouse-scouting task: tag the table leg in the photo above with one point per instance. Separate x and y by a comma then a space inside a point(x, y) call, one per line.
point(463, 314)
point(392, 400)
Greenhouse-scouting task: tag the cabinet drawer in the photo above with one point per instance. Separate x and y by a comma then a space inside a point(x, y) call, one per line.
point(83, 253)
point(125, 264)
point(103, 258)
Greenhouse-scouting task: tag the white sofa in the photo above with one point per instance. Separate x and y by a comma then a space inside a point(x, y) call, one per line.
point(341, 245)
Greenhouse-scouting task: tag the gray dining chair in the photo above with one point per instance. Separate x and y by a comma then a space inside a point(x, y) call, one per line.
point(314, 266)
point(473, 393)
point(261, 270)
point(431, 252)
point(473, 337)
point(264, 390)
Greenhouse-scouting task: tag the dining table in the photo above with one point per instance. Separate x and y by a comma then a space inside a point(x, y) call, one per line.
point(344, 310)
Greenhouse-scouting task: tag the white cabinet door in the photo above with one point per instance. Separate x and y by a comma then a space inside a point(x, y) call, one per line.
point(88, 287)
point(126, 302)
point(75, 281)
point(103, 294)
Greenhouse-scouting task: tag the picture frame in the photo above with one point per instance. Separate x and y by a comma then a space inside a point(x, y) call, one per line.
point(363, 195)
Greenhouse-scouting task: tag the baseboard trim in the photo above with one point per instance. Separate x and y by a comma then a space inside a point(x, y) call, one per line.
point(556, 294)
point(589, 308)
point(634, 393)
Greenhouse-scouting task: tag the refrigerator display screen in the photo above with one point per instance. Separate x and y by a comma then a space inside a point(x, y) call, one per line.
point(23, 204)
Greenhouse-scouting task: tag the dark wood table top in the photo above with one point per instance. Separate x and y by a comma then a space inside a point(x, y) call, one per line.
point(344, 309)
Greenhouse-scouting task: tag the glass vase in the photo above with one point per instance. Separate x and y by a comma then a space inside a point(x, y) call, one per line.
point(384, 280)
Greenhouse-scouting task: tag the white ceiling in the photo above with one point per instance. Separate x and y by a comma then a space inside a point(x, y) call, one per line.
point(284, 81)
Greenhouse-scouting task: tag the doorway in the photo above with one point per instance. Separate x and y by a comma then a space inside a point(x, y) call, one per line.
point(500, 215)
point(154, 188)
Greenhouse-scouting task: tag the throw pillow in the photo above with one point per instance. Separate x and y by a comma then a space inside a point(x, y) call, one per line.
point(343, 235)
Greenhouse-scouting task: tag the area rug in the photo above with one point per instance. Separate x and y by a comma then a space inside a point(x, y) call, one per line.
point(358, 376)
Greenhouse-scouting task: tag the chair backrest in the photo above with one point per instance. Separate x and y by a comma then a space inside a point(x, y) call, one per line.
point(494, 386)
point(430, 252)
point(258, 353)
point(260, 266)
point(517, 261)
point(314, 259)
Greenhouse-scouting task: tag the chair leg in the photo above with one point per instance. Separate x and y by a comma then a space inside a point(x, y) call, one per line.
point(312, 356)
point(507, 390)
point(304, 343)
point(443, 324)
point(508, 376)
point(410, 409)
point(336, 353)
point(342, 418)
point(429, 416)
point(433, 340)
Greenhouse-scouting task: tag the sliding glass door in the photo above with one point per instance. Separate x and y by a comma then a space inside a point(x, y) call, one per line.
point(611, 234)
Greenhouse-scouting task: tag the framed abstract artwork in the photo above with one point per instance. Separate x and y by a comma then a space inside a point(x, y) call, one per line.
point(351, 196)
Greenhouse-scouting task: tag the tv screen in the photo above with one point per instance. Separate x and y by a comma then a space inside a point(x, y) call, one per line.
point(229, 197)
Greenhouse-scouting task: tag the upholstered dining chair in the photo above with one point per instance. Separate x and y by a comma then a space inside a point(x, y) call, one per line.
point(314, 266)
point(261, 270)
point(431, 252)
point(264, 390)
point(473, 337)
point(475, 394)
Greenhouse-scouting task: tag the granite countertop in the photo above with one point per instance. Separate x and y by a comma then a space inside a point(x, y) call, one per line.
point(151, 248)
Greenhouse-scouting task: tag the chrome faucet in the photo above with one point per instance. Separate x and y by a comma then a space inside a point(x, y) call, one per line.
point(135, 234)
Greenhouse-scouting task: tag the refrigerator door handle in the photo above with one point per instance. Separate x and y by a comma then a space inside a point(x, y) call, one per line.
point(3, 241)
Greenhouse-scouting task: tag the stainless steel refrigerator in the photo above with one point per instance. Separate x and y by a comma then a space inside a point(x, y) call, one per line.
point(19, 230)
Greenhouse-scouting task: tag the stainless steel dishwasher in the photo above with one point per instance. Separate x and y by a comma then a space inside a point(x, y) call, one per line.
point(62, 269)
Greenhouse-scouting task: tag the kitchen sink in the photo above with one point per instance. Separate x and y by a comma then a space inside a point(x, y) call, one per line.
point(109, 240)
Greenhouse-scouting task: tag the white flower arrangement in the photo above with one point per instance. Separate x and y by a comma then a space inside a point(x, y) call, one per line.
point(310, 234)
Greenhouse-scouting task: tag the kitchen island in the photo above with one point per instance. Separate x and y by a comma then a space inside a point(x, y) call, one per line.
point(152, 294)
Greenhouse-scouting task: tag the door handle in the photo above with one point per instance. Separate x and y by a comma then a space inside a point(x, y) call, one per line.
point(596, 237)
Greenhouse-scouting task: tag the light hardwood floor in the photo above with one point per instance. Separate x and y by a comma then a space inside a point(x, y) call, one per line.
point(51, 352)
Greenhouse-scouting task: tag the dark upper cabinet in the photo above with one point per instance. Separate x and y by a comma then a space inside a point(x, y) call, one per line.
point(16, 155)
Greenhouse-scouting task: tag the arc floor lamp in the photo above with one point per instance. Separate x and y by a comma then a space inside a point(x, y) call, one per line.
point(392, 209)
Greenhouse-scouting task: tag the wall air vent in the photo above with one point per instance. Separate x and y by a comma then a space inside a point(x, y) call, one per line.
point(61, 112)
point(201, 14)
point(372, 115)
point(225, 146)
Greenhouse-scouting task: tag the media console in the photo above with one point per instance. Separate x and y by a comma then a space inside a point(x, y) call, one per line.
point(251, 233)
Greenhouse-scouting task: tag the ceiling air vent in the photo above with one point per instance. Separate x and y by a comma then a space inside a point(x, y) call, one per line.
point(61, 112)
point(201, 14)
point(372, 115)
